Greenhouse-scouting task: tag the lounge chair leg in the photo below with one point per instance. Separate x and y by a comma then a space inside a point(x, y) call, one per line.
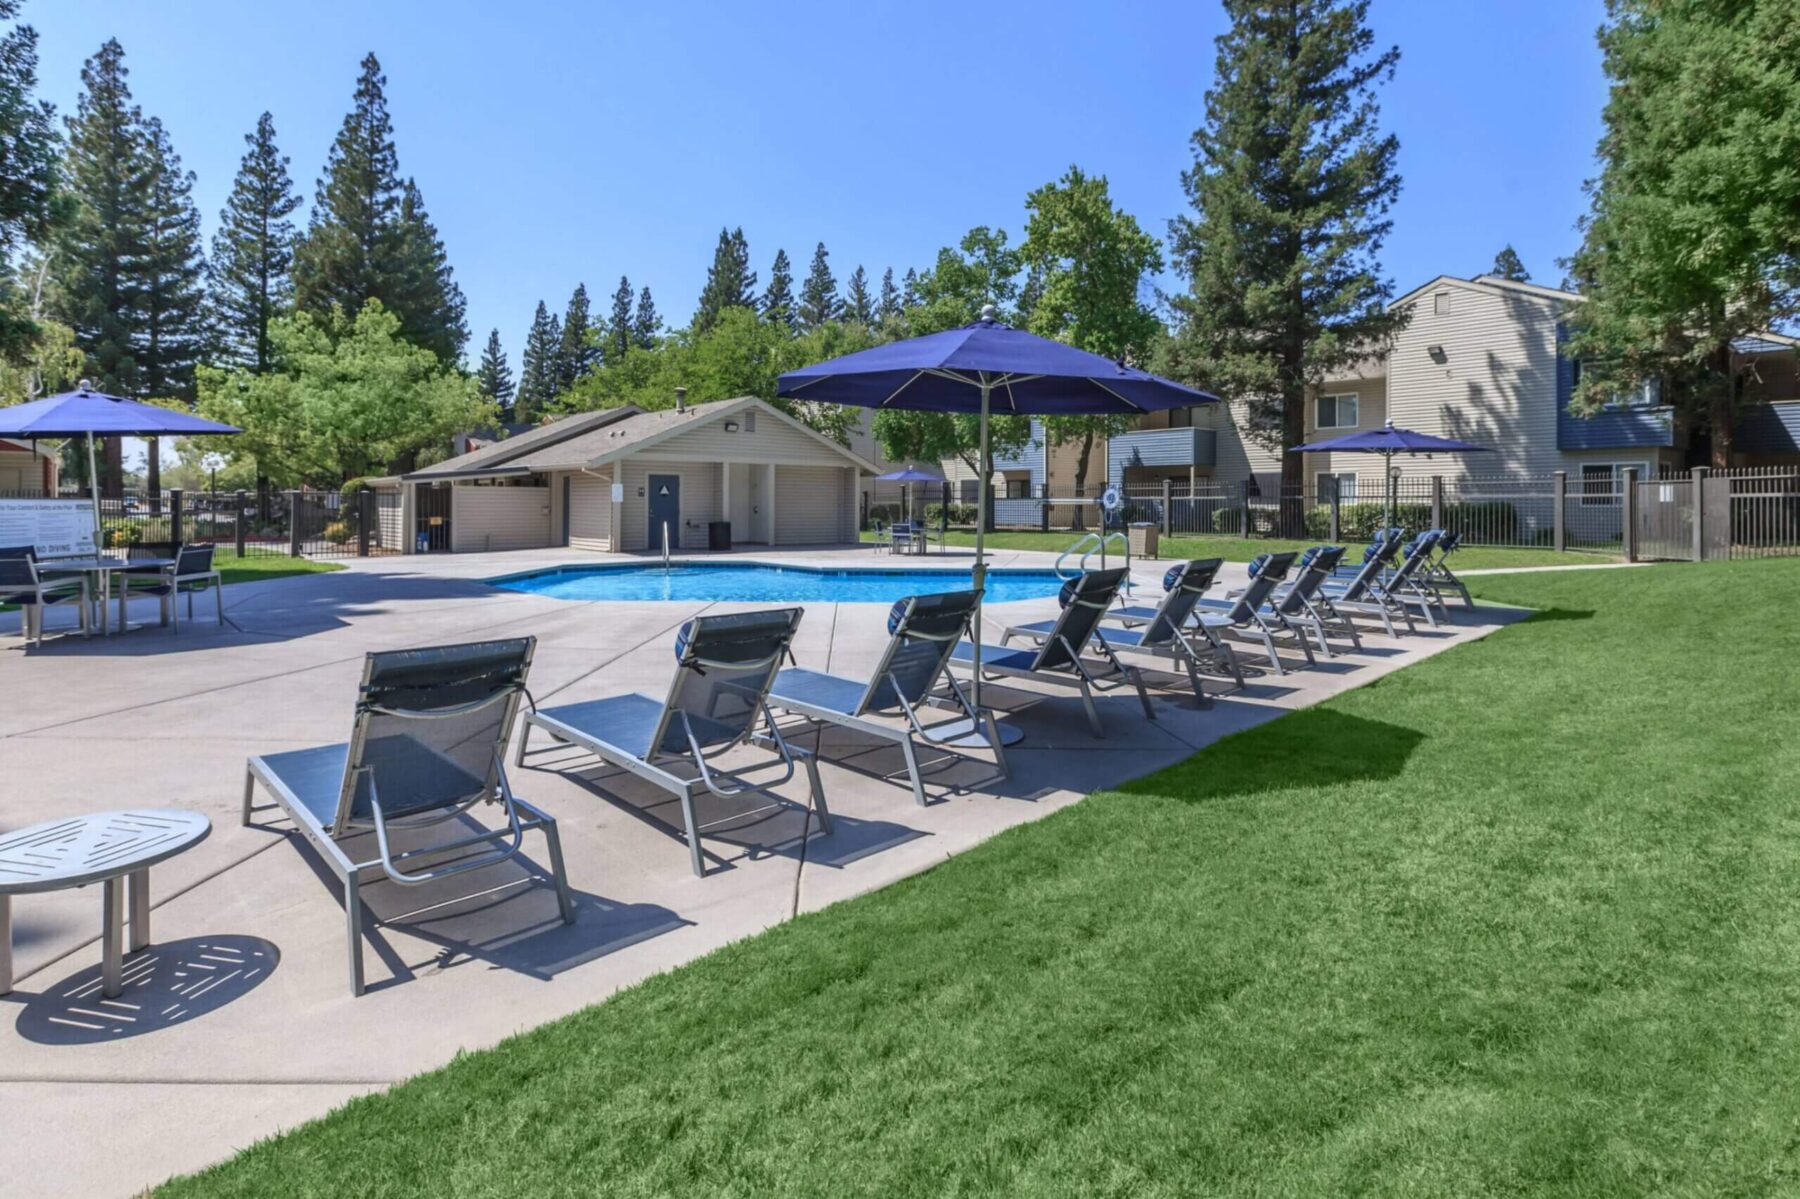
point(1137, 680)
point(1093, 713)
point(996, 742)
point(557, 875)
point(1193, 671)
point(912, 770)
point(1274, 658)
point(249, 794)
point(818, 793)
point(353, 927)
point(693, 834)
point(524, 740)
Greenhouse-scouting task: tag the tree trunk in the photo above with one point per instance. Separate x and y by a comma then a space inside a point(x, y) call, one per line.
point(1293, 466)
point(112, 469)
point(1081, 472)
point(1722, 408)
point(153, 473)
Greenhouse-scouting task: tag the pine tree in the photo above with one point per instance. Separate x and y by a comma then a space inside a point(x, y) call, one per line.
point(494, 376)
point(27, 171)
point(889, 304)
point(575, 355)
point(172, 301)
point(1508, 266)
point(618, 329)
point(253, 251)
point(819, 302)
point(730, 283)
point(778, 300)
point(426, 298)
point(109, 176)
point(645, 324)
point(369, 236)
point(1291, 186)
point(859, 305)
point(537, 366)
point(909, 293)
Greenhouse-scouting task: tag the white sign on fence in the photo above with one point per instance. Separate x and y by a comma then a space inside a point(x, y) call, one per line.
point(56, 528)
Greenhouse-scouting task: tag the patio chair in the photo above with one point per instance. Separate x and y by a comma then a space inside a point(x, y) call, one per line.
point(725, 665)
point(21, 584)
point(1252, 617)
point(1390, 593)
point(922, 631)
point(1057, 659)
point(428, 744)
point(1302, 606)
point(193, 572)
point(1171, 630)
point(1437, 575)
point(902, 537)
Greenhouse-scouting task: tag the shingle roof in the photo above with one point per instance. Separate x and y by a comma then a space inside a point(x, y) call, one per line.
point(523, 450)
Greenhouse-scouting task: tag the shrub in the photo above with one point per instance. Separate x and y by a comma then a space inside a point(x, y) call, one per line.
point(1228, 520)
point(338, 532)
point(960, 514)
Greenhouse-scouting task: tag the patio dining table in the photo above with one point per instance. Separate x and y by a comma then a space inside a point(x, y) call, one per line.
point(103, 568)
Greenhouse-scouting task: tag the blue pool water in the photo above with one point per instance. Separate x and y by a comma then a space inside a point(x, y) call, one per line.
point(754, 582)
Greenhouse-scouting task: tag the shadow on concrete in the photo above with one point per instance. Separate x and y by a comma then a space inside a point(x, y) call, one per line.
point(164, 985)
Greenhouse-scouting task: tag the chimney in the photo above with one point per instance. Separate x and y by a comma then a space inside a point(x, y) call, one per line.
point(681, 399)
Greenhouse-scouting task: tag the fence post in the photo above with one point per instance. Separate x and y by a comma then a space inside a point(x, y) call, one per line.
point(1337, 496)
point(1437, 501)
point(176, 499)
point(293, 524)
point(239, 521)
point(365, 512)
point(1244, 507)
point(1699, 476)
point(1168, 526)
point(1628, 515)
point(1559, 498)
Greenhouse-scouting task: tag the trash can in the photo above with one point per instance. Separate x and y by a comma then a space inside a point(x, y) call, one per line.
point(1143, 538)
point(718, 534)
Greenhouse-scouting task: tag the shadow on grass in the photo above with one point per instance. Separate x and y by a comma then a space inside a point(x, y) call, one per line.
point(1310, 748)
point(1552, 614)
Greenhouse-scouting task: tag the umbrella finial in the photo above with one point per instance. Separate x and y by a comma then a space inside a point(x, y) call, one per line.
point(85, 386)
point(989, 313)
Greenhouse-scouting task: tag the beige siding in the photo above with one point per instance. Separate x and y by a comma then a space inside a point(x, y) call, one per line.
point(772, 440)
point(810, 502)
point(700, 501)
point(390, 522)
point(590, 513)
point(1496, 385)
point(1237, 456)
point(20, 472)
point(499, 518)
point(1371, 413)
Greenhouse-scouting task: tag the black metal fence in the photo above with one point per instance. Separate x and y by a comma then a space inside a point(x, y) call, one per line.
point(282, 524)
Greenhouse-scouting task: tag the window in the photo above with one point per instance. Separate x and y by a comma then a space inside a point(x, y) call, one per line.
point(1018, 489)
point(1603, 482)
point(1440, 304)
point(1337, 412)
point(1346, 484)
point(969, 491)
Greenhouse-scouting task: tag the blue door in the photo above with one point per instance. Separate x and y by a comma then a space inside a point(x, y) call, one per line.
point(665, 509)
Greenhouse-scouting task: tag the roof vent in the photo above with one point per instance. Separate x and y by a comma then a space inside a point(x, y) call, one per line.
point(681, 399)
point(86, 386)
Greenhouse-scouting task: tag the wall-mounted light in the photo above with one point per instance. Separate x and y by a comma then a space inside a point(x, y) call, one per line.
point(1437, 353)
point(731, 426)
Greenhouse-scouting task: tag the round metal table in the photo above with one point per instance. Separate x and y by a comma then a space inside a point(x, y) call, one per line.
point(104, 848)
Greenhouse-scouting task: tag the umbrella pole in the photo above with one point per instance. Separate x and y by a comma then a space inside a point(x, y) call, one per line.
point(94, 495)
point(978, 576)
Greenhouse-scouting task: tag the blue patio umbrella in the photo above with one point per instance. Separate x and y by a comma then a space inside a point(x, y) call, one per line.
point(909, 476)
point(981, 368)
point(88, 413)
point(1387, 442)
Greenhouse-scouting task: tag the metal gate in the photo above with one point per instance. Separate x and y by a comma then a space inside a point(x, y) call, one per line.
point(1665, 519)
point(434, 519)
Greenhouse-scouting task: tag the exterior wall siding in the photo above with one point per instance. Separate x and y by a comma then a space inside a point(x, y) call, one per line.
point(1769, 429)
point(810, 503)
point(25, 471)
point(700, 501)
point(1371, 413)
point(499, 518)
point(590, 513)
point(772, 440)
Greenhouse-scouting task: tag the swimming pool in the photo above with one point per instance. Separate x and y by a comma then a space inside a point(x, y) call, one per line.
point(755, 582)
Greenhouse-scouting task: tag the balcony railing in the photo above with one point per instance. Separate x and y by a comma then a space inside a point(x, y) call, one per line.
point(1162, 447)
point(1632, 428)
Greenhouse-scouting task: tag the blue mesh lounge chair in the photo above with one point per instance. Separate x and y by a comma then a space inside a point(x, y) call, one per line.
point(1356, 593)
point(724, 667)
point(192, 573)
point(1058, 658)
point(1437, 575)
point(1393, 592)
point(1382, 548)
point(1252, 617)
point(21, 584)
point(1301, 604)
point(923, 630)
point(1166, 631)
point(428, 744)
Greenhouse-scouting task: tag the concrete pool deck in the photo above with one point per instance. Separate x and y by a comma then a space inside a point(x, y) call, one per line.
point(107, 1098)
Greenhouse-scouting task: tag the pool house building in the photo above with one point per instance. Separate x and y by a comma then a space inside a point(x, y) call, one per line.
point(623, 479)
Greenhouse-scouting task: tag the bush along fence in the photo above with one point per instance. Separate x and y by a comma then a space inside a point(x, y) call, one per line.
point(282, 524)
point(1689, 515)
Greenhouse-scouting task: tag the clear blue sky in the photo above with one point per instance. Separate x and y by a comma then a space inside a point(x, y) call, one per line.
point(558, 143)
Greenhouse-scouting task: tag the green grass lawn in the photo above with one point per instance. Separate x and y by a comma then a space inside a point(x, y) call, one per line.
point(255, 569)
point(1524, 918)
point(1240, 549)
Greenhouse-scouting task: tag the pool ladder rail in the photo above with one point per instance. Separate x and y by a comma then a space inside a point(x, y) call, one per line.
point(1087, 545)
point(665, 546)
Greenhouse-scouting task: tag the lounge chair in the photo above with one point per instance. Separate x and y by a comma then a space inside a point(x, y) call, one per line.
point(1253, 618)
point(1437, 575)
point(21, 584)
point(428, 744)
point(1391, 593)
point(1169, 630)
point(1301, 606)
point(192, 573)
point(1058, 658)
point(725, 665)
point(923, 629)
point(1382, 547)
